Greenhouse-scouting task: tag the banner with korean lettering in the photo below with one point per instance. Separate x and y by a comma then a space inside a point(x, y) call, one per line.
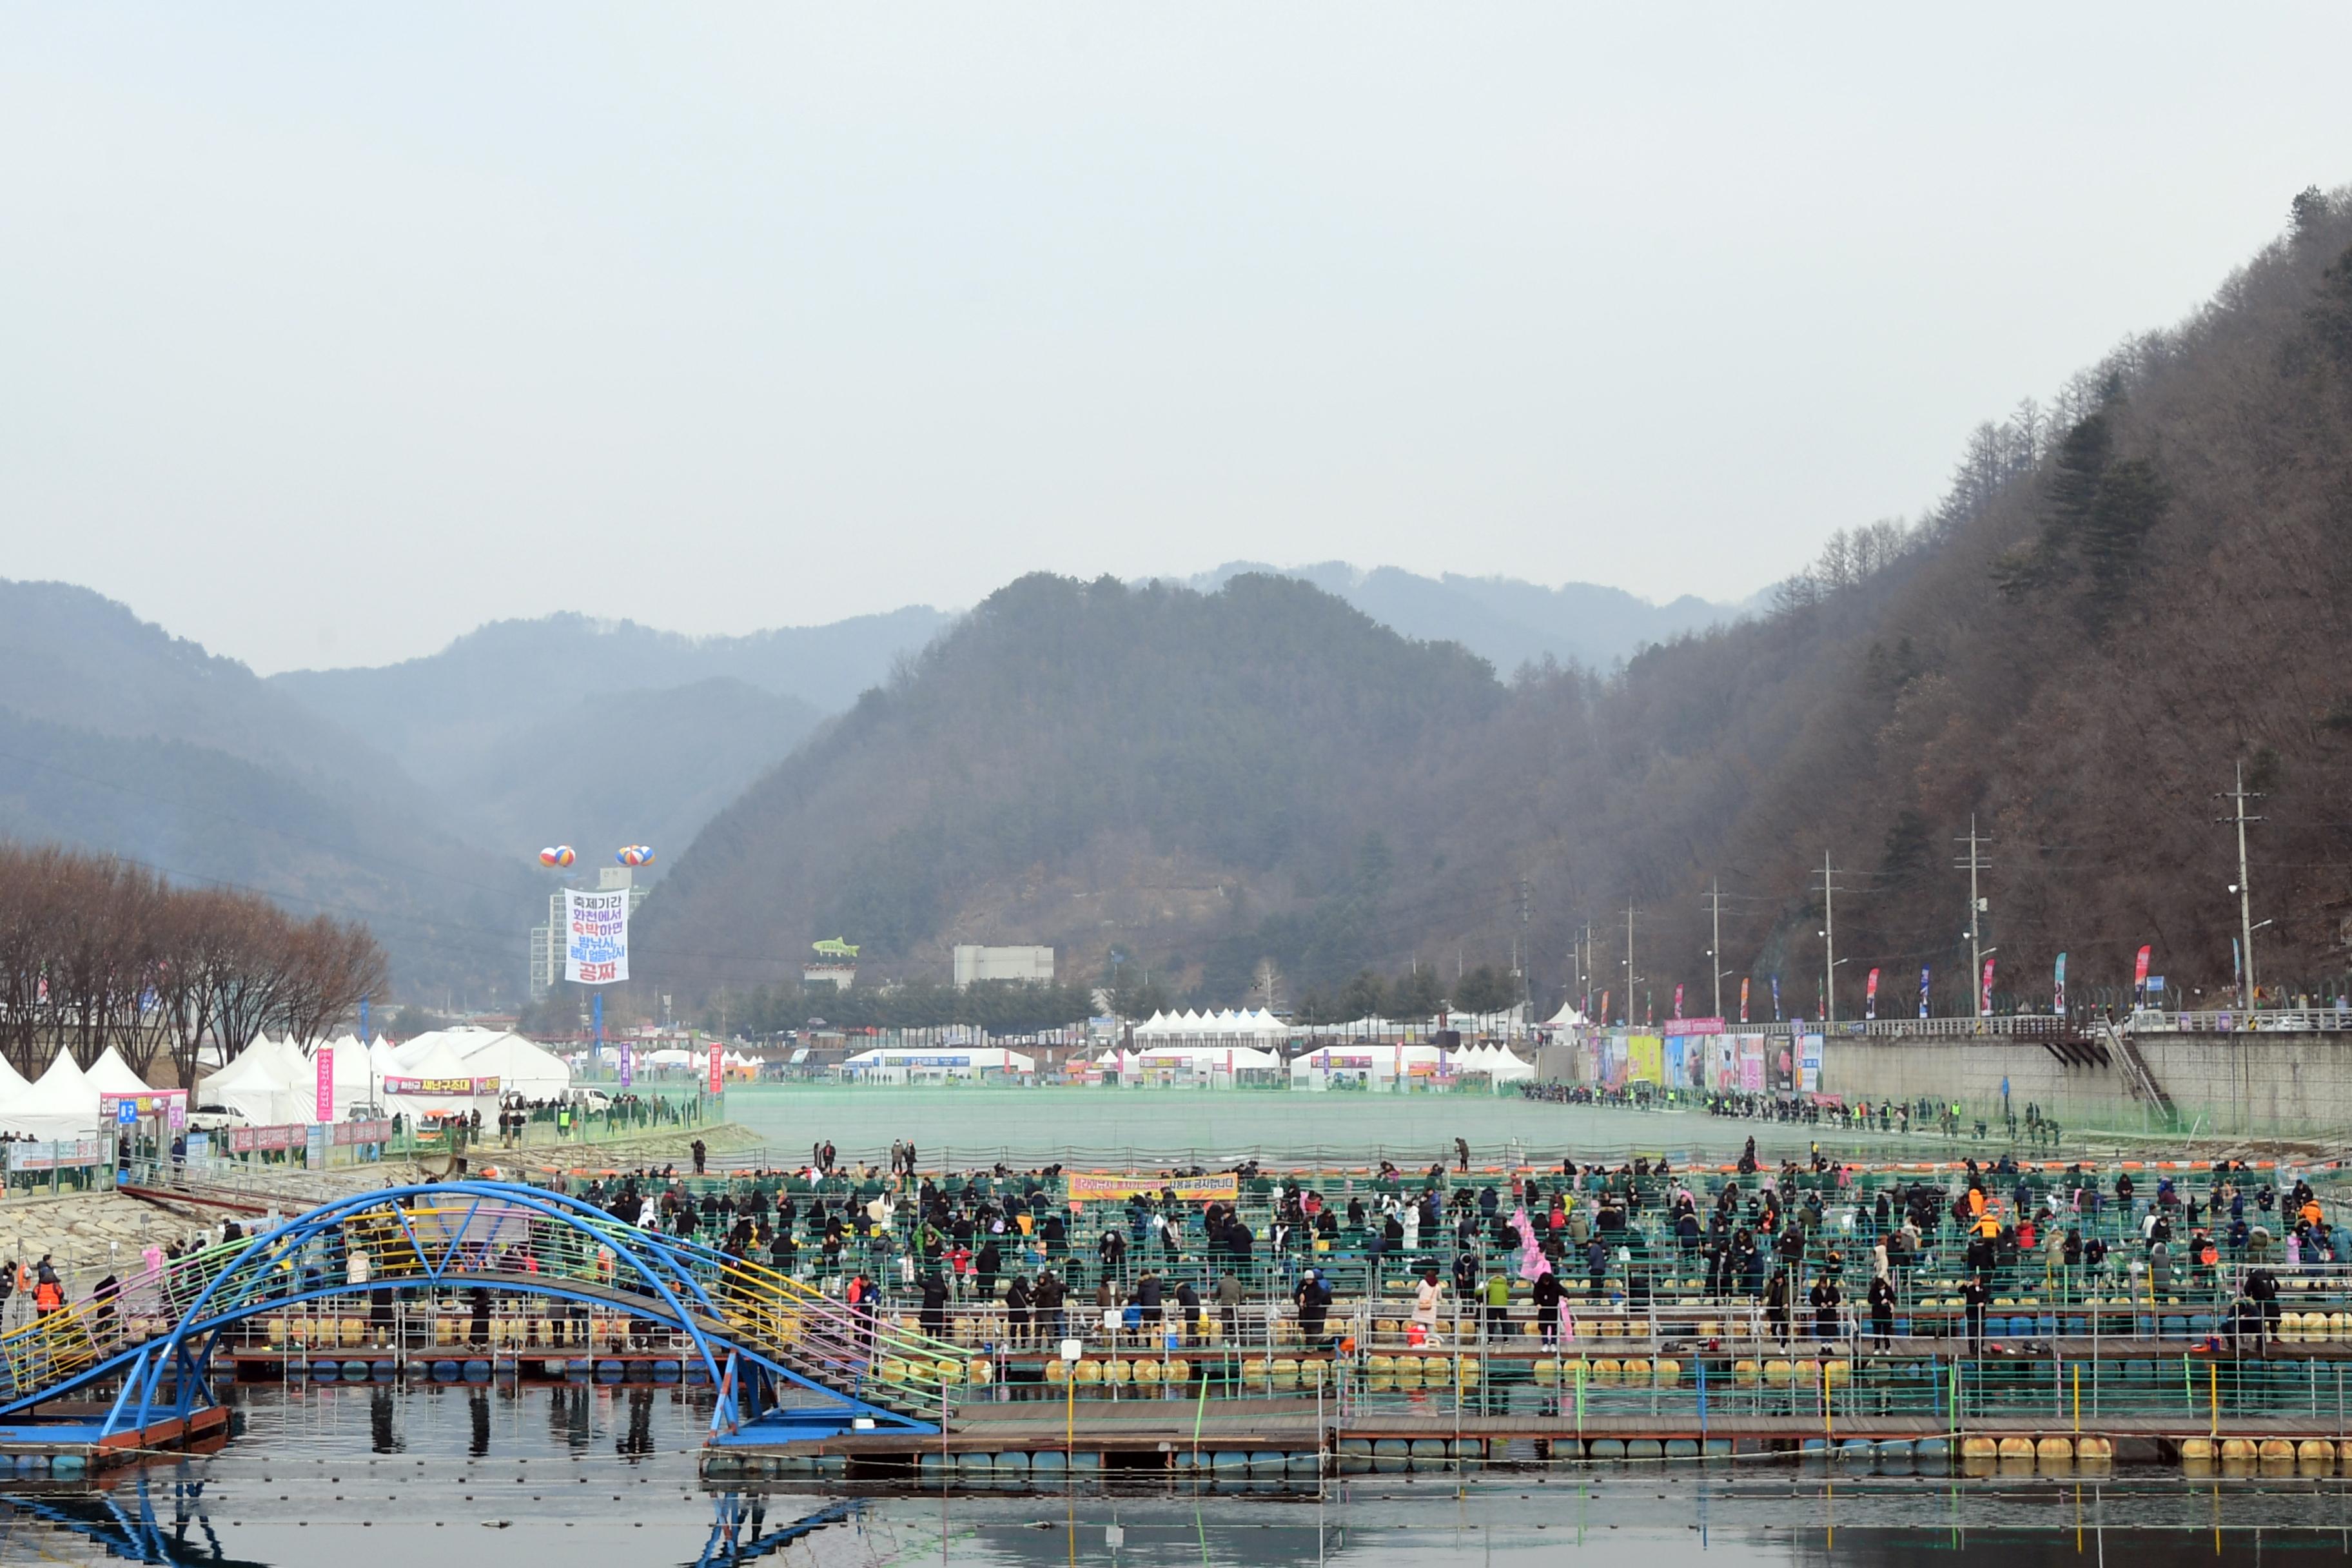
point(465, 1087)
point(717, 1069)
point(1984, 991)
point(1923, 990)
point(325, 1062)
point(596, 936)
point(2058, 985)
point(628, 1065)
point(1743, 998)
point(1085, 1186)
point(2139, 971)
point(1870, 997)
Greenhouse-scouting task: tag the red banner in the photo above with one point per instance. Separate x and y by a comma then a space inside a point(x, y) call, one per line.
point(2139, 971)
point(1743, 998)
point(717, 1069)
point(1870, 996)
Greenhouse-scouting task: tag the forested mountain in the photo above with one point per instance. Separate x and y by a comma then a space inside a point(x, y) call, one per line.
point(1091, 764)
point(1503, 620)
point(116, 736)
point(2126, 594)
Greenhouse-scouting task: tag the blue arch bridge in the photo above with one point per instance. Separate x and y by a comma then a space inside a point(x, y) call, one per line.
point(786, 1360)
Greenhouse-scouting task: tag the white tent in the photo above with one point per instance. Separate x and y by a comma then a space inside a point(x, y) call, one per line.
point(52, 1107)
point(433, 1056)
point(268, 1083)
point(520, 1066)
point(1567, 1018)
point(112, 1075)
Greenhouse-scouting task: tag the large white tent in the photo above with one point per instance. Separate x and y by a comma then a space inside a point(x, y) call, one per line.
point(521, 1066)
point(63, 1103)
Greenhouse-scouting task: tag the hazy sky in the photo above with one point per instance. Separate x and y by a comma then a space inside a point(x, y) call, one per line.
point(328, 332)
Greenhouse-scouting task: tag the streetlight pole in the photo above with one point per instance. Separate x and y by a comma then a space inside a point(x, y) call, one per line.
point(1974, 864)
point(1715, 950)
point(2237, 798)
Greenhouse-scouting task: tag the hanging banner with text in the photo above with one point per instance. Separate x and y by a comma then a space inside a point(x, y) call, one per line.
point(717, 1069)
point(596, 936)
point(1086, 1187)
point(325, 1062)
point(468, 1086)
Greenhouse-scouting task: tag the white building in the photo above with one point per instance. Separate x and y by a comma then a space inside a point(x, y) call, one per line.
point(547, 941)
point(1027, 966)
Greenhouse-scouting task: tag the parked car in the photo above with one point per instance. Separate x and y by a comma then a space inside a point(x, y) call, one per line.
point(367, 1112)
point(216, 1118)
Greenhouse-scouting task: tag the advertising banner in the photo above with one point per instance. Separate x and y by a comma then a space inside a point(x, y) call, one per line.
point(1984, 993)
point(324, 1060)
point(1092, 1187)
point(2058, 984)
point(1751, 1064)
point(1808, 1063)
point(717, 1069)
point(628, 1065)
point(1645, 1059)
point(1695, 1027)
point(468, 1086)
point(1743, 998)
point(596, 936)
point(1870, 997)
point(63, 1154)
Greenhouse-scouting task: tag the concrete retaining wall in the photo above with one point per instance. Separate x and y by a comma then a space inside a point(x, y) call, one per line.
point(2228, 1083)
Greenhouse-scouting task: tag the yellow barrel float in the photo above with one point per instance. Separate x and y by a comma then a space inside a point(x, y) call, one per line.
point(1745, 1373)
point(2054, 1454)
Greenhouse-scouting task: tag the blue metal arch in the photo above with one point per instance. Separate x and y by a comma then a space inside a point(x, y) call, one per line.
point(146, 1362)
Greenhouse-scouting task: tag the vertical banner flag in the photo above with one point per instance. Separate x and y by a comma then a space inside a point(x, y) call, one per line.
point(1743, 998)
point(2058, 985)
point(1649, 1009)
point(1678, 999)
point(363, 1026)
point(1923, 991)
point(1776, 998)
point(2140, 973)
point(325, 1061)
point(1984, 999)
point(1604, 1009)
point(718, 1082)
point(596, 936)
point(2237, 967)
point(596, 1006)
point(1870, 996)
point(628, 1065)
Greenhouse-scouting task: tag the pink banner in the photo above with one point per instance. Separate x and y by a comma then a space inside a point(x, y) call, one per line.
point(325, 1062)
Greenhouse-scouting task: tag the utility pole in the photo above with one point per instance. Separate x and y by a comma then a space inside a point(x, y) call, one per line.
point(1631, 979)
point(1974, 863)
point(2237, 798)
point(1829, 941)
point(1715, 948)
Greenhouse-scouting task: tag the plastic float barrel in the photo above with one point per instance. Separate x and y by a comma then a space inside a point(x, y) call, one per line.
point(2316, 1454)
point(2055, 1453)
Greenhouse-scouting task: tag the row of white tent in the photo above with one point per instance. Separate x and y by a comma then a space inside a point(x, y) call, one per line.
point(63, 1102)
point(1229, 1024)
point(274, 1082)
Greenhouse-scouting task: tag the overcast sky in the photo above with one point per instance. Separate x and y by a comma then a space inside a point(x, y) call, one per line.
point(328, 332)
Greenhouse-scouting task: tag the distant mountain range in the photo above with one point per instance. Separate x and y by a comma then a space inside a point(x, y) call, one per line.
point(415, 793)
point(1503, 621)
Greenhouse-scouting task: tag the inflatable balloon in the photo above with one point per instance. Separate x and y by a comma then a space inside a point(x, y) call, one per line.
point(559, 855)
point(635, 854)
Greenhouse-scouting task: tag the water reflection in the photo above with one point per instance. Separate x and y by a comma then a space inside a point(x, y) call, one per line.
point(373, 1476)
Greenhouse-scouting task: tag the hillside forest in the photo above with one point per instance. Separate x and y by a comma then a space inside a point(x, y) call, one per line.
point(2130, 592)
